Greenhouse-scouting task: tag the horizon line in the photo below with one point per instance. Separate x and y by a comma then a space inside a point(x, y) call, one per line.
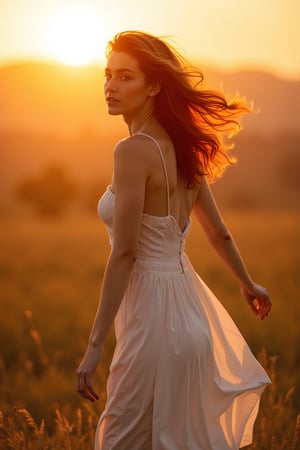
point(207, 65)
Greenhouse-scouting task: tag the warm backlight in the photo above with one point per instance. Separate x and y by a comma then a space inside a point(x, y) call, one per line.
point(75, 36)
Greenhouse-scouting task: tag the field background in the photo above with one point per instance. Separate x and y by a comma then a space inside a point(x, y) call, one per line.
point(50, 278)
point(54, 136)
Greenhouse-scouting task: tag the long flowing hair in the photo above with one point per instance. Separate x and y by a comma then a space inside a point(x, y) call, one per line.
point(200, 122)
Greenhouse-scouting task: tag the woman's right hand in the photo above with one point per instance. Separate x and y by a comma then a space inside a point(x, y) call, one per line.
point(86, 370)
point(258, 299)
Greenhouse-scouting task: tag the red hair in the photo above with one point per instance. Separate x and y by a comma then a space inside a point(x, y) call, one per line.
point(200, 122)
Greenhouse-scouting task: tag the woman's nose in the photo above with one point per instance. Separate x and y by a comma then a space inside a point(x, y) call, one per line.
point(110, 85)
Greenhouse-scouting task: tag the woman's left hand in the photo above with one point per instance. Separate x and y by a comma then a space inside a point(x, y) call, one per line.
point(85, 373)
point(258, 299)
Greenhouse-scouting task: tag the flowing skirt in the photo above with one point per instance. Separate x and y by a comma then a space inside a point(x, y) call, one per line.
point(182, 376)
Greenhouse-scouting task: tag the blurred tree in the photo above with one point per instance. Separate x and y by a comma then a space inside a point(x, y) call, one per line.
point(48, 193)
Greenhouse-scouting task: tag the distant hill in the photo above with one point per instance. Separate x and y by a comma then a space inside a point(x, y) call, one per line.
point(278, 100)
point(42, 97)
point(52, 114)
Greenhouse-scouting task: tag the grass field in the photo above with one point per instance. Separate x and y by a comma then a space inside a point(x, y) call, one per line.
point(50, 279)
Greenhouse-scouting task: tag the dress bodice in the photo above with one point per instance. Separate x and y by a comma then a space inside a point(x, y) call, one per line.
point(160, 236)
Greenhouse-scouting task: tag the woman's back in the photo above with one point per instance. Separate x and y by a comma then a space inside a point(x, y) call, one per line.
point(166, 192)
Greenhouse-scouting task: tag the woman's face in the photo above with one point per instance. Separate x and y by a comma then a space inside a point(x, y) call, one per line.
point(126, 90)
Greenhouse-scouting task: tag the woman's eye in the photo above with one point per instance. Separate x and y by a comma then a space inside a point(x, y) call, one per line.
point(108, 77)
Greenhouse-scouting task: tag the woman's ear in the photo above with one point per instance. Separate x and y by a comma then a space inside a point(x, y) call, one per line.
point(154, 89)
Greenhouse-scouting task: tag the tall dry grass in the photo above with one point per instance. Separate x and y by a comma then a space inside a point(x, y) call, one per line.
point(276, 427)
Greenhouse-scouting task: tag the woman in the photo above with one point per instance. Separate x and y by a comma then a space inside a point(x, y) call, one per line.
point(182, 377)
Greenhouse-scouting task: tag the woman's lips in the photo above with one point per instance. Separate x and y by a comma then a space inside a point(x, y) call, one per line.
point(112, 101)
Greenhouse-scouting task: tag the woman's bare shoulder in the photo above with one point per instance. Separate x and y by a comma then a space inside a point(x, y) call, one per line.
point(137, 147)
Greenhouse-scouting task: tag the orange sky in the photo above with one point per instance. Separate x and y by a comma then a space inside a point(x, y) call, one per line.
point(262, 34)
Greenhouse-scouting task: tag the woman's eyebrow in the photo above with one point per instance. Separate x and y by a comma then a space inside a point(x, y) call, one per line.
point(119, 70)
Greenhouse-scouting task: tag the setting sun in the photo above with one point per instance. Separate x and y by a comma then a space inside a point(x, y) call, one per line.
point(75, 36)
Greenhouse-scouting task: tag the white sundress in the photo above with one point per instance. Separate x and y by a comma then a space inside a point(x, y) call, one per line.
point(182, 376)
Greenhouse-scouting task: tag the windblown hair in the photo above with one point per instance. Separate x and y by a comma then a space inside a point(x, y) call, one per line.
point(200, 122)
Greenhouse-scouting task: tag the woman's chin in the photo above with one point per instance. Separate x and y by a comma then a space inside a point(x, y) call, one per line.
point(113, 111)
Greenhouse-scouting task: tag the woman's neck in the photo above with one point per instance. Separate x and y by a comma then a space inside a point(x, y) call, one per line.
point(143, 121)
point(140, 126)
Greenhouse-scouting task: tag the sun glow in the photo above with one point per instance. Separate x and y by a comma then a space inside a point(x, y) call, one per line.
point(75, 36)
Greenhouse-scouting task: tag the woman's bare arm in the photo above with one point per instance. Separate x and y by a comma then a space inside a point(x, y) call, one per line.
point(221, 240)
point(130, 177)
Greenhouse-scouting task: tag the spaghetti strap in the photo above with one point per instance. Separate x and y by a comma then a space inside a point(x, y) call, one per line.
point(164, 166)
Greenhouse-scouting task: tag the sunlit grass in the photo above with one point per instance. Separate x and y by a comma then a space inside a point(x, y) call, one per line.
point(50, 275)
